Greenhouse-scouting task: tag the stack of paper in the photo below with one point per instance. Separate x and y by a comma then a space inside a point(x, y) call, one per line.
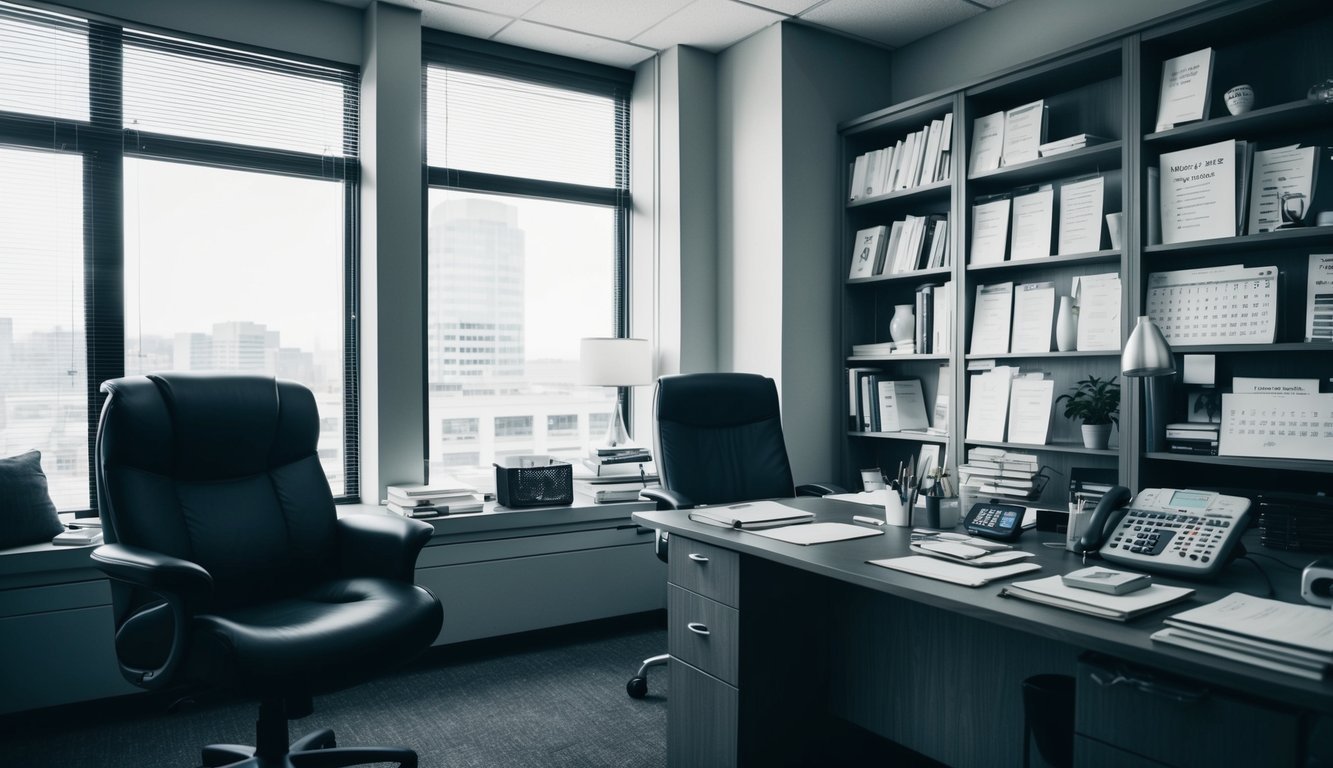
point(1053, 591)
point(1001, 474)
point(1078, 141)
point(1284, 637)
point(954, 573)
point(751, 515)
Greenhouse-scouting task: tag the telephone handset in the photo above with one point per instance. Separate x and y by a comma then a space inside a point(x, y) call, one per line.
point(1181, 532)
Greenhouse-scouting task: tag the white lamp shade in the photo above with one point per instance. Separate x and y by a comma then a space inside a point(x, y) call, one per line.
point(1147, 353)
point(615, 362)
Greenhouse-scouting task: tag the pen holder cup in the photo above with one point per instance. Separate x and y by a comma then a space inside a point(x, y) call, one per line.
point(533, 481)
point(895, 512)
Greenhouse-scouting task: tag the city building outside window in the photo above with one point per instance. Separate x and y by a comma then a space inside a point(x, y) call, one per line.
point(528, 204)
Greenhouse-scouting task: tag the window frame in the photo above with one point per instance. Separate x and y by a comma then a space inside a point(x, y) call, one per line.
point(496, 59)
point(104, 142)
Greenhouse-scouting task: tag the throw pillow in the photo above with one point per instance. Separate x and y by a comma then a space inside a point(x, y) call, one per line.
point(27, 515)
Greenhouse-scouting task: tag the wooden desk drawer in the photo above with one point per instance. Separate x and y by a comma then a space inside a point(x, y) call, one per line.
point(1089, 753)
point(703, 633)
point(705, 569)
point(702, 720)
point(1178, 722)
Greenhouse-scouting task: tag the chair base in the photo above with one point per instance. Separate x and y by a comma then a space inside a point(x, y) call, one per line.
point(314, 750)
point(637, 687)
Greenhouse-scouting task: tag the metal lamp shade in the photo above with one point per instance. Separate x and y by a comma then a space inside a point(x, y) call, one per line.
point(1147, 353)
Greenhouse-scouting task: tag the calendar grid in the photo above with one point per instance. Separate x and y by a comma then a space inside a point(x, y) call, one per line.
point(1216, 305)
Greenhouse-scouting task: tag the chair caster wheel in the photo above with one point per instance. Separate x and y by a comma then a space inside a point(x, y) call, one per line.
point(637, 687)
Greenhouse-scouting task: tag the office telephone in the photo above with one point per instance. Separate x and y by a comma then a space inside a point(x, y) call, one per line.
point(1178, 532)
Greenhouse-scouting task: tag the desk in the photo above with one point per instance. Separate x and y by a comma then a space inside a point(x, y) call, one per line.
point(801, 637)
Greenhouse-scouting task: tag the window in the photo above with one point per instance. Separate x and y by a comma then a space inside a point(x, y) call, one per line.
point(460, 429)
point(528, 204)
point(168, 205)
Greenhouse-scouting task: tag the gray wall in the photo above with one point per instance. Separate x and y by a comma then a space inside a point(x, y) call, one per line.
point(1012, 34)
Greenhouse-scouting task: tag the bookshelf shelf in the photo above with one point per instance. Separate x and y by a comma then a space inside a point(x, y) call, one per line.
point(896, 358)
point(915, 437)
point(918, 274)
point(1299, 237)
point(1099, 157)
point(1095, 257)
point(1048, 448)
point(937, 190)
point(1301, 115)
point(1251, 462)
point(1041, 355)
point(1280, 347)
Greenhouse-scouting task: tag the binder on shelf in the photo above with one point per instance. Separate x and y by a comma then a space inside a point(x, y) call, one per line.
point(900, 406)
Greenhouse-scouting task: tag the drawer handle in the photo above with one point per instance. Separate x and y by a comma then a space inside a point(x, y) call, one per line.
point(1178, 693)
point(697, 628)
point(698, 558)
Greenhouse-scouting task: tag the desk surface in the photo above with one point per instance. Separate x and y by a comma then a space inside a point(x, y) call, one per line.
point(846, 562)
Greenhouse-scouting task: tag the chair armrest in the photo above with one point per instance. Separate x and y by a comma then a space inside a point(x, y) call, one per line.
point(183, 585)
point(818, 489)
point(667, 499)
point(383, 546)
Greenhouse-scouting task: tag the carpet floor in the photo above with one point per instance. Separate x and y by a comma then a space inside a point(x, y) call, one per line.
point(542, 700)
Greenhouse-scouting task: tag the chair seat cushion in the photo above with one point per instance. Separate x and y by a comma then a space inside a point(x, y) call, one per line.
point(333, 635)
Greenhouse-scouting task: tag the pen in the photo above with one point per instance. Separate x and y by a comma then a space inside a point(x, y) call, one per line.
point(866, 520)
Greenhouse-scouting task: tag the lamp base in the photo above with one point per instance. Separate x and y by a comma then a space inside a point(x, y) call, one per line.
point(616, 437)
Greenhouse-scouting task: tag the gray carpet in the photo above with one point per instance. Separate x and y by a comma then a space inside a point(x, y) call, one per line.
point(553, 699)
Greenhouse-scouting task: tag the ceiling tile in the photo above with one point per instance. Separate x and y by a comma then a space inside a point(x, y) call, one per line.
point(502, 7)
point(464, 21)
point(574, 44)
point(991, 3)
point(616, 19)
point(894, 24)
point(789, 7)
point(708, 24)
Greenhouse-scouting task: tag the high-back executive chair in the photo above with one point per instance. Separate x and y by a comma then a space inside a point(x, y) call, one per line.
point(718, 441)
point(230, 567)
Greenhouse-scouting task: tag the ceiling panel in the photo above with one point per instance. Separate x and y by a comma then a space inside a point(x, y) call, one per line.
point(464, 21)
point(991, 3)
point(789, 7)
point(616, 19)
point(708, 24)
point(552, 40)
point(502, 7)
point(894, 24)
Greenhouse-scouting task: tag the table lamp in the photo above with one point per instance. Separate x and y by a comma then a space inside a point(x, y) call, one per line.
point(607, 362)
point(1147, 355)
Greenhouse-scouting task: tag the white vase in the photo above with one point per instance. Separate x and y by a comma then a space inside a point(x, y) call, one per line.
point(902, 327)
point(1096, 436)
point(1066, 325)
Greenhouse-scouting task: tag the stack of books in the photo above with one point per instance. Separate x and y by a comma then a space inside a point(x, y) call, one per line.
point(1198, 437)
point(1070, 144)
point(1275, 635)
point(1002, 474)
point(447, 497)
point(612, 475)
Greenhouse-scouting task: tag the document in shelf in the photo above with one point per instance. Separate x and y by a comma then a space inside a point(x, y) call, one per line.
point(868, 253)
point(1280, 174)
point(1034, 315)
point(819, 533)
point(988, 404)
point(943, 386)
point(901, 406)
point(1081, 205)
point(1024, 133)
point(990, 229)
point(1030, 403)
point(1198, 193)
point(1098, 312)
point(954, 573)
point(990, 319)
point(987, 143)
point(1250, 385)
point(1319, 298)
point(1186, 86)
point(1277, 426)
point(1030, 237)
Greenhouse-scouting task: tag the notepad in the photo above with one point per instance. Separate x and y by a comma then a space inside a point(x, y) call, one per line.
point(818, 533)
point(954, 573)
point(751, 515)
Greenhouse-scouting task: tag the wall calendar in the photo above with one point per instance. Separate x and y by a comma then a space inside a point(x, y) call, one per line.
point(1215, 305)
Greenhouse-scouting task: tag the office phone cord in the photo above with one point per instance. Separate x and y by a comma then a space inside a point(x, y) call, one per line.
point(1262, 572)
point(1288, 566)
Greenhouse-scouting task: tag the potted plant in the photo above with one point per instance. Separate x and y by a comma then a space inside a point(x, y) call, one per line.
point(1097, 403)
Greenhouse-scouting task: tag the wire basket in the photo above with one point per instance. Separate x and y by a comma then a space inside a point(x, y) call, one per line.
point(533, 481)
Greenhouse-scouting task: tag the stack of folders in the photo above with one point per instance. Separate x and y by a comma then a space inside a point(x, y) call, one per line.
point(447, 497)
point(1283, 637)
point(1002, 474)
point(1054, 592)
point(615, 477)
point(1193, 437)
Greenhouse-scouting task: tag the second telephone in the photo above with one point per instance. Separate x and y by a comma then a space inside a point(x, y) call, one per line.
point(1181, 532)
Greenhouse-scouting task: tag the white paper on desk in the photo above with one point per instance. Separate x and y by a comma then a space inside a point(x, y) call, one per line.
point(988, 404)
point(1034, 316)
point(1302, 626)
point(1030, 403)
point(1277, 426)
point(1081, 216)
point(954, 573)
point(990, 229)
point(1030, 236)
point(869, 498)
point(1198, 193)
point(990, 319)
point(818, 533)
point(1145, 599)
point(1098, 312)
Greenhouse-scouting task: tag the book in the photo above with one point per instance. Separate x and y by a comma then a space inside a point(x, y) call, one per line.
point(867, 252)
point(900, 406)
point(751, 516)
point(609, 493)
point(421, 501)
point(1186, 87)
point(636, 468)
point(1070, 143)
point(987, 143)
point(437, 510)
point(1054, 592)
point(78, 537)
point(446, 486)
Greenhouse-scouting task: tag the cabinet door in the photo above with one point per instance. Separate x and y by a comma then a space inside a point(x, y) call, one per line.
point(702, 719)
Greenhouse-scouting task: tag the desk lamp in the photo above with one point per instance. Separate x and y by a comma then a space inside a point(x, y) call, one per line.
point(607, 362)
point(1147, 355)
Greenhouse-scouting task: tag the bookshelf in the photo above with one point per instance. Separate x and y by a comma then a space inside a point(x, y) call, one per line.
point(1109, 88)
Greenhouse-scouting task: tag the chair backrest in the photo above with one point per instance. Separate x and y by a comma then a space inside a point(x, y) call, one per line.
point(719, 438)
point(221, 470)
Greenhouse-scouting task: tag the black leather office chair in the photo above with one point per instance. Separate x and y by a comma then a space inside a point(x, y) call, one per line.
point(231, 568)
point(719, 441)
